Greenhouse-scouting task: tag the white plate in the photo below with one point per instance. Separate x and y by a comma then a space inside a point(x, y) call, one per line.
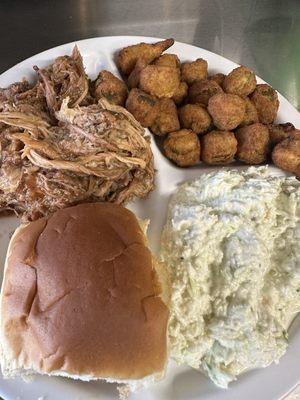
point(181, 383)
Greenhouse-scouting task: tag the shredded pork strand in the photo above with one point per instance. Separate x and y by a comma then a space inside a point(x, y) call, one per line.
point(59, 148)
point(64, 78)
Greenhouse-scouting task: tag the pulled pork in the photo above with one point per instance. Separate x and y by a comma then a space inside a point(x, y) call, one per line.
point(58, 147)
point(65, 78)
point(22, 97)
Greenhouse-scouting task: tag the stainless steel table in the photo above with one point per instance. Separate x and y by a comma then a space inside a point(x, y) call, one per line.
point(265, 34)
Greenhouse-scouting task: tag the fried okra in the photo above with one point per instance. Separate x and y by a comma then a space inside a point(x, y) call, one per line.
point(194, 71)
point(266, 102)
point(202, 91)
point(253, 143)
point(251, 115)
point(227, 110)
point(218, 78)
point(218, 147)
point(112, 88)
point(280, 132)
point(195, 117)
point(160, 81)
point(167, 118)
point(181, 93)
point(134, 77)
point(240, 81)
point(127, 57)
point(183, 147)
point(142, 106)
point(168, 60)
point(286, 155)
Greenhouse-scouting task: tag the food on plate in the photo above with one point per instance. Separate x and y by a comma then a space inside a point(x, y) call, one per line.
point(167, 118)
point(66, 77)
point(168, 60)
point(218, 147)
point(84, 298)
point(181, 93)
point(203, 105)
point(95, 153)
point(279, 132)
point(160, 81)
point(22, 97)
point(240, 81)
point(194, 71)
point(195, 117)
point(183, 147)
point(202, 91)
point(112, 88)
point(286, 155)
point(266, 102)
point(142, 106)
point(144, 60)
point(251, 115)
point(134, 78)
point(231, 242)
point(227, 110)
point(253, 143)
point(60, 147)
point(128, 56)
point(218, 78)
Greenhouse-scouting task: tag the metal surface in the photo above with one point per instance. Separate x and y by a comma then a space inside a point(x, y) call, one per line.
point(261, 34)
point(265, 35)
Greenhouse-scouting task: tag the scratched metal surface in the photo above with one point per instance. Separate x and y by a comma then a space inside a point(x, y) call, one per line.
point(261, 34)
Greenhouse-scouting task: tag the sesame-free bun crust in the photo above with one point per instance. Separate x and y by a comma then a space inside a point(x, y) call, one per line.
point(80, 298)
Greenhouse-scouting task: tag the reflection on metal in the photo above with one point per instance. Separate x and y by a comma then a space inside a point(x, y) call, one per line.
point(261, 34)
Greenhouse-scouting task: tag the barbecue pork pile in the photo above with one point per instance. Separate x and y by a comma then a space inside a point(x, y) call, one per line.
point(59, 146)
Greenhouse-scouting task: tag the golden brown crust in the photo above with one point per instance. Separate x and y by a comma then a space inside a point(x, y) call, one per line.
point(183, 147)
point(195, 117)
point(194, 71)
point(202, 91)
point(286, 155)
point(266, 102)
point(218, 78)
point(253, 143)
point(112, 88)
point(128, 56)
point(142, 106)
point(218, 147)
point(227, 110)
point(80, 296)
point(181, 93)
point(168, 60)
point(160, 81)
point(167, 118)
point(251, 116)
point(280, 132)
point(145, 59)
point(134, 77)
point(240, 81)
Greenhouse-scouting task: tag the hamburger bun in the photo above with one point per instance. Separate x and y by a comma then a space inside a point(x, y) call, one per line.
point(82, 298)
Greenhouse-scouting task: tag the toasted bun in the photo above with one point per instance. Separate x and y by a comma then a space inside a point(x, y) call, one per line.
point(81, 298)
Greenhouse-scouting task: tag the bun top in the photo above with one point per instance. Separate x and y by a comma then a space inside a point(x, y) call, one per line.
point(81, 296)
